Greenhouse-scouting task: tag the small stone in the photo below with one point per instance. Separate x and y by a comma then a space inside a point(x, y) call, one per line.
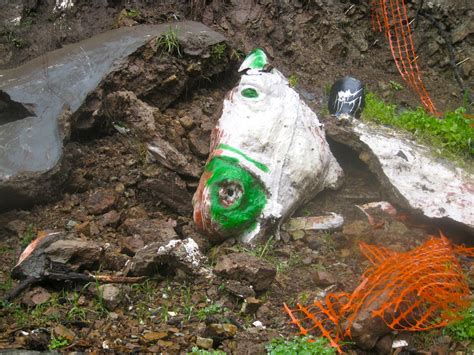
point(323, 278)
point(357, 229)
point(199, 143)
point(238, 289)
point(151, 230)
point(101, 201)
point(112, 296)
point(119, 188)
point(71, 224)
point(35, 296)
point(297, 234)
point(204, 343)
point(130, 245)
point(187, 122)
point(62, 331)
point(110, 218)
point(384, 345)
point(38, 339)
point(83, 228)
point(239, 266)
point(16, 226)
point(252, 305)
point(154, 336)
point(221, 331)
point(345, 253)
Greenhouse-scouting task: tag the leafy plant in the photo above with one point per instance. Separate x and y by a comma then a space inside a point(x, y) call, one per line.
point(168, 42)
point(464, 328)
point(300, 346)
point(395, 86)
point(454, 134)
point(57, 343)
point(132, 13)
point(218, 51)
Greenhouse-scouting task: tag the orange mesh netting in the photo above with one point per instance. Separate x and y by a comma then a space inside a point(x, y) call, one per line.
point(391, 16)
point(417, 290)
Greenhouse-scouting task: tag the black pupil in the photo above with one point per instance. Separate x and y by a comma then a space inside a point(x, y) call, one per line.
point(230, 192)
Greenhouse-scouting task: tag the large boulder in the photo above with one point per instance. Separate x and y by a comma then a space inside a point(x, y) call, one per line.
point(38, 99)
point(414, 177)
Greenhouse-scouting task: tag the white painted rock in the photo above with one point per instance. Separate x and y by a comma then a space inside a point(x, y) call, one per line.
point(429, 185)
point(269, 154)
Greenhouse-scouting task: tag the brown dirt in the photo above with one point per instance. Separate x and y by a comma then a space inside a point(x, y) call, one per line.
point(316, 41)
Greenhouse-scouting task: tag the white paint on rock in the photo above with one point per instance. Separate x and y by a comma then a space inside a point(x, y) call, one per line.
point(329, 222)
point(429, 184)
point(279, 130)
point(186, 252)
point(63, 5)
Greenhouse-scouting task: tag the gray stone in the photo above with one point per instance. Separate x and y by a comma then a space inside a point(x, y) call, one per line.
point(414, 177)
point(101, 201)
point(150, 230)
point(111, 294)
point(41, 103)
point(239, 266)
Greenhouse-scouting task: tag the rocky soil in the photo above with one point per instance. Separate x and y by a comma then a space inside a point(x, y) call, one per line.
point(119, 198)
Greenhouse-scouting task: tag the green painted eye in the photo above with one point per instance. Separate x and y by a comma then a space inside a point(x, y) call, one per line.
point(237, 197)
point(249, 93)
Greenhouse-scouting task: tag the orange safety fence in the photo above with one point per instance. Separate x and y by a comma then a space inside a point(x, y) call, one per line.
point(421, 289)
point(391, 16)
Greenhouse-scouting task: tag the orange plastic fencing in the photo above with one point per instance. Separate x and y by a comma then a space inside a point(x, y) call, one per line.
point(391, 16)
point(413, 291)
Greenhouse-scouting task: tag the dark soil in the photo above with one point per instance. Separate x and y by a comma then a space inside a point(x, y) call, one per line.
point(314, 40)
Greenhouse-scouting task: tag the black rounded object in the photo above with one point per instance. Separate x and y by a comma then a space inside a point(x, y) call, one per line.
point(346, 97)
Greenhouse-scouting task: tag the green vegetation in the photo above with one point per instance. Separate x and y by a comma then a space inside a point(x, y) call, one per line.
point(293, 80)
point(395, 86)
point(300, 346)
point(454, 134)
point(132, 13)
point(28, 236)
point(218, 51)
point(197, 351)
point(57, 343)
point(214, 308)
point(237, 54)
point(464, 328)
point(168, 42)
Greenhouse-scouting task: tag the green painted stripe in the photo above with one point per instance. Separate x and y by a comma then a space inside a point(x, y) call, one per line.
point(259, 165)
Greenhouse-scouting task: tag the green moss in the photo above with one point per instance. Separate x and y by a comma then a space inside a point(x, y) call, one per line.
point(453, 134)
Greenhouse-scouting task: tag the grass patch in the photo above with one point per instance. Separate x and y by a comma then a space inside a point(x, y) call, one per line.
point(210, 310)
point(454, 134)
point(28, 236)
point(168, 42)
point(293, 80)
point(300, 346)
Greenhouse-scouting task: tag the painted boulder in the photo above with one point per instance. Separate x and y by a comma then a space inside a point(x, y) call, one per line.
point(269, 154)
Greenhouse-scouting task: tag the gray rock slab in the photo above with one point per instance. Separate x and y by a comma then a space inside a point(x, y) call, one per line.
point(34, 96)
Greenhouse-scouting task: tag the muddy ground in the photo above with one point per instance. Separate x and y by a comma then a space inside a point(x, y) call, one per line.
point(316, 41)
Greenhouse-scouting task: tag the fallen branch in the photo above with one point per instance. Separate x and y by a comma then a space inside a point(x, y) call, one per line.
point(70, 276)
